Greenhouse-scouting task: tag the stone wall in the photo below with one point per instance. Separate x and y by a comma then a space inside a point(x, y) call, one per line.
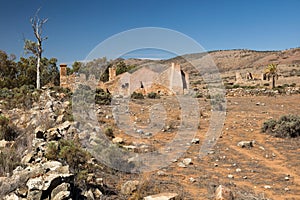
point(171, 81)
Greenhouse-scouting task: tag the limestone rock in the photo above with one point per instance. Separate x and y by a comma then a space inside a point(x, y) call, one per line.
point(246, 144)
point(117, 140)
point(129, 187)
point(187, 161)
point(28, 158)
point(162, 196)
point(62, 195)
point(11, 196)
point(223, 193)
point(89, 195)
point(35, 183)
point(61, 191)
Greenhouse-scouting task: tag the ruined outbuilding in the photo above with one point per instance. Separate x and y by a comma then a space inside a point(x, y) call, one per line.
point(172, 80)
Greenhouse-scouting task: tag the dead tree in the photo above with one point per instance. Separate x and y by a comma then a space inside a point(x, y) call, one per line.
point(36, 47)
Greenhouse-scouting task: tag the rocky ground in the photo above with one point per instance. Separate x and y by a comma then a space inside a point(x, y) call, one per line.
point(250, 164)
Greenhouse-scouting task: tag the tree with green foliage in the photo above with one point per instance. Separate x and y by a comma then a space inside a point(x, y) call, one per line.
point(271, 72)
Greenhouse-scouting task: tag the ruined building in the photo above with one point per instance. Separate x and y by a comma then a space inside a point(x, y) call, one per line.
point(173, 80)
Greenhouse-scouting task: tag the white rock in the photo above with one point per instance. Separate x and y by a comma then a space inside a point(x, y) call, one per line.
point(187, 161)
point(230, 176)
point(162, 196)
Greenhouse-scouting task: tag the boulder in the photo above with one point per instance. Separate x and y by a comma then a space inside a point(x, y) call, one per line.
point(162, 196)
point(61, 191)
point(35, 183)
point(129, 187)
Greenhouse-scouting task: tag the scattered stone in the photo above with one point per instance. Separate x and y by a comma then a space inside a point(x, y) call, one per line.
point(148, 134)
point(245, 177)
point(62, 190)
point(139, 131)
point(230, 176)
point(238, 170)
point(129, 187)
point(223, 193)
point(267, 187)
point(262, 148)
point(286, 189)
point(161, 173)
point(187, 161)
point(4, 143)
point(181, 165)
point(287, 178)
point(28, 158)
point(162, 196)
point(117, 140)
point(192, 180)
point(245, 144)
point(130, 147)
point(195, 141)
point(97, 193)
point(89, 195)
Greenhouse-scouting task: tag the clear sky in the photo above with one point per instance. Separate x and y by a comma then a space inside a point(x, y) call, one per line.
point(76, 27)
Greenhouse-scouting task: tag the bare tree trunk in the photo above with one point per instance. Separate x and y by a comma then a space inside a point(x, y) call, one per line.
point(273, 82)
point(38, 80)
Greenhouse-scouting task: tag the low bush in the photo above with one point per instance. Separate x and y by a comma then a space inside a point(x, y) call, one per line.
point(7, 132)
point(136, 95)
point(153, 95)
point(109, 132)
point(287, 126)
point(9, 160)
point(102, 97)
point(22, 97)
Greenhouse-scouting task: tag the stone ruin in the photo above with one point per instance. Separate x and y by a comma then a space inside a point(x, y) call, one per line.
point(244, 78)
point(171, 81)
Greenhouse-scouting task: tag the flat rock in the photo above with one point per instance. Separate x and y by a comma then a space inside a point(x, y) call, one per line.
point(162, 196)
point(246, 144)
point(117, 140)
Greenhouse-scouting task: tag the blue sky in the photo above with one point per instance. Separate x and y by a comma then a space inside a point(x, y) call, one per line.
point(76, 27)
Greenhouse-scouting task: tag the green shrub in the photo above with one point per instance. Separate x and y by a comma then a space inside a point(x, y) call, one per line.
point(198, 95)
point(109, 132)
point(153, 95)
point(9, 160)
point(287, 126)
point(52, 151)
point(22, 97)
point(136, 95)
point(6, 131)
point(102, 98)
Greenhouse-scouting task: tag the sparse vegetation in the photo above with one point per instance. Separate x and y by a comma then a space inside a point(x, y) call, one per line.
point(109, 132)
point(102, 97)
point(153, 95)
point(9, 160)
point(22, 97)
point(287, 126)
point(137, 95)
point(6, 131)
